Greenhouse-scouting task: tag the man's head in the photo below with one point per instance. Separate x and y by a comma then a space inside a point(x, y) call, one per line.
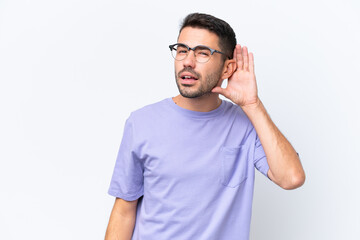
point(226, 35)
point(194, 77)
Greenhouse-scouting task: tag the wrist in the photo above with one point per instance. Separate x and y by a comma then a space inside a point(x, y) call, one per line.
point(256, 112)
point(257, 105)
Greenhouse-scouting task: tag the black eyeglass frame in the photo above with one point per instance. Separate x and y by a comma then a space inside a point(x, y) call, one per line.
point(212, 51)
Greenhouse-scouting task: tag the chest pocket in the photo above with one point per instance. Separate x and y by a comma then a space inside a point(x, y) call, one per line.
point(234, 165)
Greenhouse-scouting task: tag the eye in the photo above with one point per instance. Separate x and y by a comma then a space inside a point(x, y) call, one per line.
point(204, 53)
point(181, 50)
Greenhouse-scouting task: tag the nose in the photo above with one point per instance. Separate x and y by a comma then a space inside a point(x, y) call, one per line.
point(189, 60)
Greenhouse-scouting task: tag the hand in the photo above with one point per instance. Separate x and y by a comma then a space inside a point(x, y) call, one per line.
point(241, 87)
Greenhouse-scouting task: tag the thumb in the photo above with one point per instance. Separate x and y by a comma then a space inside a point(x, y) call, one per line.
point(220, 90)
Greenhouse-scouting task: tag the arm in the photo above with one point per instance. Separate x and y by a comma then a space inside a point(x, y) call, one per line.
point(284, 164)
point(122, 220)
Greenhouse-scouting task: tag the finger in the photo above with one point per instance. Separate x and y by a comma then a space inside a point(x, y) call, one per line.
point(239, 58)
point(251, 62)
point(246, 59)
point(221, 91)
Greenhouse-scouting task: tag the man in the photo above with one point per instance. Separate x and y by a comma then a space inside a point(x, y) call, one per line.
point(185, 167)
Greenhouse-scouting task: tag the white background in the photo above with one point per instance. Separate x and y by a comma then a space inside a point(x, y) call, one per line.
point(71, 72)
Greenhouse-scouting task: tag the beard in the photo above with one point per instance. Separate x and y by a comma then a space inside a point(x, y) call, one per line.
point(206, 84)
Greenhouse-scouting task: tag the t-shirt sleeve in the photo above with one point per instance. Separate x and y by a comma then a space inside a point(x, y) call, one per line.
point(260, 160)
point(127, 181)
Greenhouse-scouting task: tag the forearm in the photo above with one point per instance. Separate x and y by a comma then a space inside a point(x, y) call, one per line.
point(284, 163)
point(120, 227)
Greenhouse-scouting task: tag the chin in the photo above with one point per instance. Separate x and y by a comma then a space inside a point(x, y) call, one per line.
point(188, 96)
point(195, 94)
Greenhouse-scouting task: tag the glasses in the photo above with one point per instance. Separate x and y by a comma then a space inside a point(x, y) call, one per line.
point(202, 53)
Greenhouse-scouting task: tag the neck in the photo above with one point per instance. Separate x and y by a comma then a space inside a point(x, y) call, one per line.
point(205, 103)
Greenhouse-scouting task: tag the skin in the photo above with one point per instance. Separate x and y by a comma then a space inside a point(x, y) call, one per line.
point(210, 74)
point(204, 87)
point(285, 166)
point(122, 220)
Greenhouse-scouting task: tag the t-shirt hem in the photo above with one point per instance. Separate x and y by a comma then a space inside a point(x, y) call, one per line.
point(125, 196)
point(266, 173)
point(263, 166)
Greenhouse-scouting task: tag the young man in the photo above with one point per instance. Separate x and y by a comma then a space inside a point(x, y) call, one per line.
point(185, 167)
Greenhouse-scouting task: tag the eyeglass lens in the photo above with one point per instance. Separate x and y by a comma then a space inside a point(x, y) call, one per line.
point(202, 54)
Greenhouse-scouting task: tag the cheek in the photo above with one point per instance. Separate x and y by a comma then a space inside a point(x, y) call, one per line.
point(217, 70)
point(177, 67)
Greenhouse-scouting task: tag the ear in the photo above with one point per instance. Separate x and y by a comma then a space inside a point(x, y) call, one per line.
point(229, 68)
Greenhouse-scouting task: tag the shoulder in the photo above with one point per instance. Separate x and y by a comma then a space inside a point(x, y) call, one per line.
point(234, 110)
point(238, 118)
point(148, 112)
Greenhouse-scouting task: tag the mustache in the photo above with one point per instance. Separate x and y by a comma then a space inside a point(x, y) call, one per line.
point(190, 70)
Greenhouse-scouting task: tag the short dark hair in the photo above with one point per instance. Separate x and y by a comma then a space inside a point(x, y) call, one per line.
point(227, 38)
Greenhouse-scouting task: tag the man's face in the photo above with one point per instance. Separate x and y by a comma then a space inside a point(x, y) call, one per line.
point(196, 79)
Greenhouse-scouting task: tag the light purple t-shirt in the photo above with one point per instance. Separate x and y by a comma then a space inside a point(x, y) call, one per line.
point(194, 171)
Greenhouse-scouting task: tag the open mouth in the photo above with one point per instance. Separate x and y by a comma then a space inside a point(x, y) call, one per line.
point(187, 77)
